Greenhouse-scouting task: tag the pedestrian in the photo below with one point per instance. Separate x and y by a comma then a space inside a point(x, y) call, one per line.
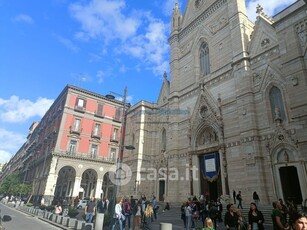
point(182, 211)
point(127, 210)
point(76, 201)
point(299, 220)
point(118, 217)
point(58, 208)
point(167, 207)
point(213, 212)
point(90, 210)
point(155, 207)
point(101, 206)
point(239, 198)
point(242, 223)
point(147, 217)
point(137, 216)
point(208, 224)
point(231, 218)
point(188, 214)
point(256, 198)
point(234, 195)
point(279, 221)
point(255, 218)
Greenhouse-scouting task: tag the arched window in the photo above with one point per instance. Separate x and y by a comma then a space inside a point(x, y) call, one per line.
point(277, 104)
point(163, 140)
point(204, 59)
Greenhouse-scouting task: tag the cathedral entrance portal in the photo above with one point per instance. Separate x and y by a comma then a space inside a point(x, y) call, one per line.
point(210, 177)
point(290, 184)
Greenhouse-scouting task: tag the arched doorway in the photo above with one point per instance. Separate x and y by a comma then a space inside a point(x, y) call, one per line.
point(89, 182)
point(65, 183)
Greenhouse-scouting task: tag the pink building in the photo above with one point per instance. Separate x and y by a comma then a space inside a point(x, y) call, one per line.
point(71, 151)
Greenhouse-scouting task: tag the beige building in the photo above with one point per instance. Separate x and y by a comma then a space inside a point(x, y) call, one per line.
point(233, 115)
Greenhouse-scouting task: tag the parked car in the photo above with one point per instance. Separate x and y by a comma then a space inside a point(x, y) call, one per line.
point(82, 204)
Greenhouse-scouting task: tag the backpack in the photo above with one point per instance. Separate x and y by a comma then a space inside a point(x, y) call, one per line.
point(238, 197)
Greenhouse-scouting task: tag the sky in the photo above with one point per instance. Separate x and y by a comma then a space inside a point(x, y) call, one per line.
point(99, 45)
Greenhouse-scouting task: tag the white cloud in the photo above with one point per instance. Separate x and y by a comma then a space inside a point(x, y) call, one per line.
point(270, 7)
point(10, 142)
point(15, 110)
point(140, 35)
point(5, 156)
point(23, 18)
point(104, 19)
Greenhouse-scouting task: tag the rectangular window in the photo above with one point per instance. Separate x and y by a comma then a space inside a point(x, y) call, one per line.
point(117, 114)
point(80, 102)
point(94, 149)
point(96, 131)
point(115, 134)
point(112, 154)
point(99, 111)
point(72, 147)
point(80, 105)
point(76, 127)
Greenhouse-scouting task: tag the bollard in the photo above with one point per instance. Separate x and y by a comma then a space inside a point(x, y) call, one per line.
point(165, 226)
point(99, 221)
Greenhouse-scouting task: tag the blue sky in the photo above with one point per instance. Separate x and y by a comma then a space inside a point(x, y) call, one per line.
point(99, 45)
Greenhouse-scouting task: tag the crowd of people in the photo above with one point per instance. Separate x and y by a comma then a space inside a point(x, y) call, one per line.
point(140, 213)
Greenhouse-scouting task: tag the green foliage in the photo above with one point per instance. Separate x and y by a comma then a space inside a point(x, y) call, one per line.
point(72, 212)
point(29, 204)
point(50, 208)
point(9, 184)
point(12, 185)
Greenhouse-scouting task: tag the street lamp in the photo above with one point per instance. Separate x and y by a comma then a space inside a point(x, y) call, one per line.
point(121, 143)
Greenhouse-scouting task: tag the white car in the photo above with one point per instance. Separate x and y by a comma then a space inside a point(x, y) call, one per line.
point(82, 204)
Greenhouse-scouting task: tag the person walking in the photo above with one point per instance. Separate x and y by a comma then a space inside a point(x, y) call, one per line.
point(256, 198)
point(239, 198)
point(118, 215)
point(234, 195)
point(90, 210)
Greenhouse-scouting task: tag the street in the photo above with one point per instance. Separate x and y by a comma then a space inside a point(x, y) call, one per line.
point(23, 221)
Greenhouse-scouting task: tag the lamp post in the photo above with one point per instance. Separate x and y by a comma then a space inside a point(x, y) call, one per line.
point(121, 145)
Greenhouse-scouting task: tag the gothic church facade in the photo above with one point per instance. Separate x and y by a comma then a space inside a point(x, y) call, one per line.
point(233, 115)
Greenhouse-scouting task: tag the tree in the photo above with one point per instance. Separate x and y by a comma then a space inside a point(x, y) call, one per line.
point(12, 185)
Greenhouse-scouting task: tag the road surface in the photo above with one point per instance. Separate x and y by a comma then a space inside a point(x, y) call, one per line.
point(23, 221)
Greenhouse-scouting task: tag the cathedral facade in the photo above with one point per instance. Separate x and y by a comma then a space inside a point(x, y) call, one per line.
point(232, 115)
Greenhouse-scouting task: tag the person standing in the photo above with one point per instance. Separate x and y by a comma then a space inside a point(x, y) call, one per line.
point(299, 220)
point(58, 208)
point(239, 198)
point(155, 207)
point(137, 216)
point(76, 201)
point(90, 210)
point(255, 218)
point(279, 220)
point(256, 198)
point(234, 195)
point(147, 217)
point(231, 218)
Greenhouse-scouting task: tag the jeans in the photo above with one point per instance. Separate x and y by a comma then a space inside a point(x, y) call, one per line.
point(120, 223)
point(188, 222)
point(89, 217)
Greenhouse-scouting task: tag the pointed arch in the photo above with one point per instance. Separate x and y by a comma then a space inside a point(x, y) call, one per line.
point(204, 59)
point(277, 103)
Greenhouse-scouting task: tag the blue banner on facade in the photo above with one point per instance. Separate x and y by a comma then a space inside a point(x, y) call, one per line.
point(210, 166)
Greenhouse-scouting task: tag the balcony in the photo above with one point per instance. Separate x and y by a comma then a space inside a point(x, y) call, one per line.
point(99, 114)
point(84, 156)
point(96, 135)
point(79, 109)
point(74, 130)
